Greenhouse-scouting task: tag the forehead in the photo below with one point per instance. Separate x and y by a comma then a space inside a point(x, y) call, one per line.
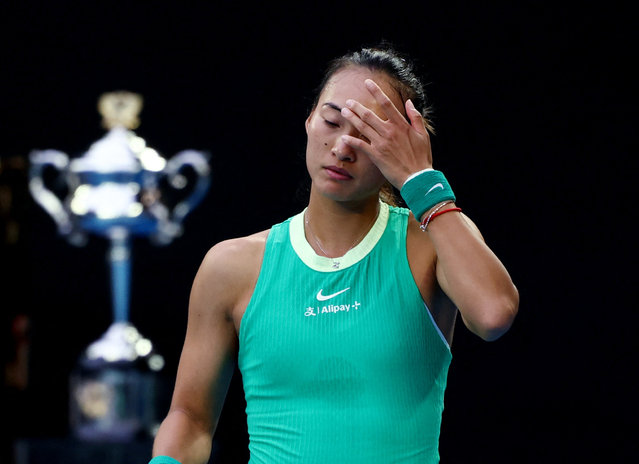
point(349, 83)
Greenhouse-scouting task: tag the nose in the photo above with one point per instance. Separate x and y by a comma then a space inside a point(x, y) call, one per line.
point(343, 152)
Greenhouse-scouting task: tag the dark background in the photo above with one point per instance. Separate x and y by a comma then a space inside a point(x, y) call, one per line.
point(533, 112)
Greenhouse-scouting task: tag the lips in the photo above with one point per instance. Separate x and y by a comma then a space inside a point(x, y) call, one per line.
point(337, 173)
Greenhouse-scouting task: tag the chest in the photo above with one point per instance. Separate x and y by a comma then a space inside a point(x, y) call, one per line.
point(326, 327)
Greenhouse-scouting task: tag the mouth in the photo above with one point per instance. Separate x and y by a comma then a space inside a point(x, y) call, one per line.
point(337, 173)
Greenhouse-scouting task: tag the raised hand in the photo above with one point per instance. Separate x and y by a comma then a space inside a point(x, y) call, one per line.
point(397, 147)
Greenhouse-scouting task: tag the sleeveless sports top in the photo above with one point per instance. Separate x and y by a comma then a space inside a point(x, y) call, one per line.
point(341, 365)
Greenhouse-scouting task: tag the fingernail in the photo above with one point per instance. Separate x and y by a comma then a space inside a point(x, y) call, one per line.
point(346, 112)
point(369, 83)
point(350, 103)
point(412, 106)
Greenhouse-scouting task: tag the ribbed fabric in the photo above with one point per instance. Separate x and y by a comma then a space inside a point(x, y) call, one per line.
point(341, 365)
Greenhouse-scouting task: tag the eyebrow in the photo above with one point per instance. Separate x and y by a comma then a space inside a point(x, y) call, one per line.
point(332, 105)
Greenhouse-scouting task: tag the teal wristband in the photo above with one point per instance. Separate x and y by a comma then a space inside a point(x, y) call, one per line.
point(426, 190)
point(164, 460)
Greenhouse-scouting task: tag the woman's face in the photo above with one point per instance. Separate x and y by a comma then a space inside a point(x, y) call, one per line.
point(337, 170)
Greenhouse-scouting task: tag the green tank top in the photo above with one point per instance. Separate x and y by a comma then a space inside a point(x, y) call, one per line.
point(341, 359)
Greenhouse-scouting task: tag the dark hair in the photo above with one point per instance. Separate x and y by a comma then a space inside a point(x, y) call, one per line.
point(400, 71)
point(396, 66)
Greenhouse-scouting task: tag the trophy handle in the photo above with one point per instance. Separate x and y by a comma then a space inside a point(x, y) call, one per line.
point(42, 195)
point(198, 161)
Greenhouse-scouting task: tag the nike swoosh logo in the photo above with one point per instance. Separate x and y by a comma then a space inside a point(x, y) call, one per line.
point(321, 297)
point(438, 185)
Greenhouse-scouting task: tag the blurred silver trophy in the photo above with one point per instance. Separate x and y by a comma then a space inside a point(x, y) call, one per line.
point(115, 190)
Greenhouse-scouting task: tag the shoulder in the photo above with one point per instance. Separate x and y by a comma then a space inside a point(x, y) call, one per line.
point(235, 257)
point(230, 269)
point(238, 247)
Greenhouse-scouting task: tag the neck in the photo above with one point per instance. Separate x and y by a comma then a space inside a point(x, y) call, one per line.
point(338, 226)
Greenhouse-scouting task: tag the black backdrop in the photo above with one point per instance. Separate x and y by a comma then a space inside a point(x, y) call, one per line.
point(533, 118)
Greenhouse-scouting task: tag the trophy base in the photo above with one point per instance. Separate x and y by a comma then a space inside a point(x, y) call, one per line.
point(115, 388)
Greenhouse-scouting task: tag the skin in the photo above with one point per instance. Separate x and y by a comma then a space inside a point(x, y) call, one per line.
point(358, 137)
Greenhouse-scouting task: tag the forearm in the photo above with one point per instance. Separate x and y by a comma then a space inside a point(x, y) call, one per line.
point(183, 438)
point(472, 276)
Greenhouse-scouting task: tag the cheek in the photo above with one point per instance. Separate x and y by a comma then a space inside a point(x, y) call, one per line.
point(379, 178)
point(312, 136)
point(316, 145)
point(314, 150)
point(373, 174)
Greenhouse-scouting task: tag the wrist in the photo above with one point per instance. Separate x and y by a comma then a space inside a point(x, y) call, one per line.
point(415, 174)
point(437, 208)
point(425, 190)
point(442, 208)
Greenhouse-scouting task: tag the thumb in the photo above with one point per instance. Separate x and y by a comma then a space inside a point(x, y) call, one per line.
point(415, 117)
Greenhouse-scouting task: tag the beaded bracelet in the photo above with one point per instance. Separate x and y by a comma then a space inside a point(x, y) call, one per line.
point(427, 219)
point(436, 213)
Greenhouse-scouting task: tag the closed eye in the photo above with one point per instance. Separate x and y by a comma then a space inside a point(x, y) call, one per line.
point(331, 123)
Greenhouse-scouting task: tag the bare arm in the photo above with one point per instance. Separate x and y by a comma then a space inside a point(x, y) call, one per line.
point(208, 356)
point(466, 269)
point(472, 276)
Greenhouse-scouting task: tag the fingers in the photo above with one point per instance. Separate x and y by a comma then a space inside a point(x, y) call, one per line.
point(364, 120)
point(382, 99)
point(357, 144)
point(381, 137)
point(415, 117)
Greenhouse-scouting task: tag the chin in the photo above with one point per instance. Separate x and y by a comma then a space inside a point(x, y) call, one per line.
point(341, 194)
